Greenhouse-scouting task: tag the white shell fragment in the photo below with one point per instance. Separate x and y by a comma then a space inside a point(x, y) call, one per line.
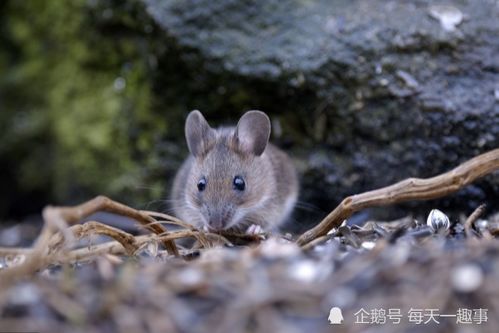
point(368, 245)
point(305, 271)
point(152, 249)
point(437, 220)
point(276, 248)
point(481, 224)
point(332, 231)
point(408, 79)
point(466, 278)
point(449, 16)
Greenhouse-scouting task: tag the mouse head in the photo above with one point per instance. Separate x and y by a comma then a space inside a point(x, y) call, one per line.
point(229, 178)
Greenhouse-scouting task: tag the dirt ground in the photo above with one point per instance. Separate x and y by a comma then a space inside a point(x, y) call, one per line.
point(398, 276)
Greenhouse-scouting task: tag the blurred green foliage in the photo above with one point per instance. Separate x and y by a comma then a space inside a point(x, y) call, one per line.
point(75, 103)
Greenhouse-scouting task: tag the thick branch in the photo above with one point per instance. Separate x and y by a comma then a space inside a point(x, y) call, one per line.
point(406, 190)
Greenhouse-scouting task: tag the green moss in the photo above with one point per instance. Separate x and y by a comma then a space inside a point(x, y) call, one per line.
point(82, 92)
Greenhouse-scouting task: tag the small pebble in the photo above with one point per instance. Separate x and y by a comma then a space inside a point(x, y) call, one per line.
point(191, 277)
point(400, 253)
point(342, 297)
point(10, 236)
point(24, 294)
point(304, 271)
point(466, 278)
point(384, 82)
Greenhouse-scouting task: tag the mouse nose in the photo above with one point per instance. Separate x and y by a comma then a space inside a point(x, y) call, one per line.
point(218, 218)
point(215, 221)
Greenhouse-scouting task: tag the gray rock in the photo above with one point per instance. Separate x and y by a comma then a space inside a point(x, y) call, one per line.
point(367, 92)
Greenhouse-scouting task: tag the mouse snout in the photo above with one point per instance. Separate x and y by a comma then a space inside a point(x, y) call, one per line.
point(215, 221)
point(219, 217)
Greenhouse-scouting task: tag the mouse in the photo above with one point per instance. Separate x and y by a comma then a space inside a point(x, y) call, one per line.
point(233, 178)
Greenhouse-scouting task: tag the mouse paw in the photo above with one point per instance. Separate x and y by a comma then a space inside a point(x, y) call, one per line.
point(254, 229)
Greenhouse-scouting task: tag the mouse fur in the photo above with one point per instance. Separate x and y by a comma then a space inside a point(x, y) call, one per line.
point(234, 178)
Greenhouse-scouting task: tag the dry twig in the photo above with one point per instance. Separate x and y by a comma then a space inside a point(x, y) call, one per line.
point(58, 218)
point(406, 190)
point(123, 244)
point(472, 218)
point(72, 215)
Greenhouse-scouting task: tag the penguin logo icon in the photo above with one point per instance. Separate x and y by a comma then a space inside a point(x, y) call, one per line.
point(335, 316)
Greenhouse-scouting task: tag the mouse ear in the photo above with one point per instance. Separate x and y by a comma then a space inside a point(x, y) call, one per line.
point(199, 135)
point(253, 132)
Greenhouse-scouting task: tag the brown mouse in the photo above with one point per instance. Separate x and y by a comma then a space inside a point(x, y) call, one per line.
point(234, 178)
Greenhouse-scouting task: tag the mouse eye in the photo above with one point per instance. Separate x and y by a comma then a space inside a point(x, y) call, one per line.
point(202, 184)
point(239, 183)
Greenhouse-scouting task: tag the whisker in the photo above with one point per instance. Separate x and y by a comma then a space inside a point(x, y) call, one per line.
point(147, 205)
point(305, 206)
